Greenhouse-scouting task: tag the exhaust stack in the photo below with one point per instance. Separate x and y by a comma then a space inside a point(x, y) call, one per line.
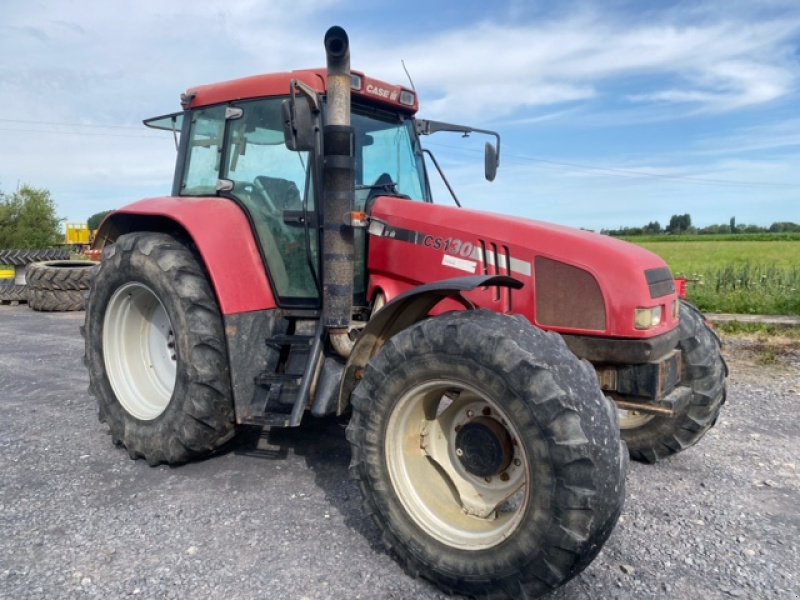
point(338, 193)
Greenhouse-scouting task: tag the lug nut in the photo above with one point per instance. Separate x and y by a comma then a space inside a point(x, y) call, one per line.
point(487, 411)
point(487, 479)
point(470, 413)
point(504, 477)
point(459, 452)
point(517, 462)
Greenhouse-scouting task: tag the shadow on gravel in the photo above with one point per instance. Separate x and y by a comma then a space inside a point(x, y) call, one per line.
point(323, 446)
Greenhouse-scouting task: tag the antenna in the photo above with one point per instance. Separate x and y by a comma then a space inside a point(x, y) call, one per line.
point(411, 81)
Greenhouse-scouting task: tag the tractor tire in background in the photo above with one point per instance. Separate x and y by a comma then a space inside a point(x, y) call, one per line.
point(156, 351)
point(15, 289)
point(652, 437)
point(56, 300)
point(487, 455)
point(59, 285)
point(19, 258)
point(12, 292)
point(61, 274)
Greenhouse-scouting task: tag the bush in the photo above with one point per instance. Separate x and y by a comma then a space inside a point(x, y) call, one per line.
point(747, 289)
point(28, 219)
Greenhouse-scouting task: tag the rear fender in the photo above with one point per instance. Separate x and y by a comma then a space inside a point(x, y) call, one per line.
point(222, 235)
point(402, 312)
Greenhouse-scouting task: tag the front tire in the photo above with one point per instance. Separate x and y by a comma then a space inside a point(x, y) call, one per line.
point(155, 350)
point(651, 437)
point(487, 455)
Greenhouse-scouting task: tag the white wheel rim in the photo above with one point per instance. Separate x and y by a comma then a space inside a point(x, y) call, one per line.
point(631, 419)
point(436, 490)
point(139, 351)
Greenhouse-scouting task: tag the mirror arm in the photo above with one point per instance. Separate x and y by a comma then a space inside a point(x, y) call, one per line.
point(426, 127)
point(442, 175)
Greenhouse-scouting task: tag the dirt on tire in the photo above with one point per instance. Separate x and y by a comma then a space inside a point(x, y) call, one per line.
point(198, 417)
point(705, 372)
point(566, 426)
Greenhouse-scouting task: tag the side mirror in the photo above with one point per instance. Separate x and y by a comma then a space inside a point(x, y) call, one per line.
point(491, 160)
point(298, 125)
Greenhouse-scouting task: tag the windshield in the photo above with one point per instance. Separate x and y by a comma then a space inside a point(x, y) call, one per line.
point(386, 154)
point(243, 146)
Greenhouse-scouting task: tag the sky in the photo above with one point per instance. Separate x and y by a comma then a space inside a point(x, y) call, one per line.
point(611, 113)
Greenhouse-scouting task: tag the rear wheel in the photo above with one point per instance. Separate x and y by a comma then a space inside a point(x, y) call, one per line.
point(155, 349)
point(487, 455)
point(651, 437)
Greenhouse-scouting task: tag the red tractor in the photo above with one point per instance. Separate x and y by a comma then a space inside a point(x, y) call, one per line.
point(487, 364)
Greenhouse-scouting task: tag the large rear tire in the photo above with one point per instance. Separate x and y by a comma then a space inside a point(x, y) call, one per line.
point(486, 455)
point(652, 437)
point(155, 349)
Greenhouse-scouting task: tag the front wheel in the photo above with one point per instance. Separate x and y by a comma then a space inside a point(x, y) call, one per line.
point(487, 455)
point(155, 349)
point(652, 437)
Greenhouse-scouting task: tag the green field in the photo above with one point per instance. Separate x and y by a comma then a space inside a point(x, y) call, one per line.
point(756, 276)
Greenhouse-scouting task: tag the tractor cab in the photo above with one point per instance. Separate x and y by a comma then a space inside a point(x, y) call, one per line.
point(236, 149)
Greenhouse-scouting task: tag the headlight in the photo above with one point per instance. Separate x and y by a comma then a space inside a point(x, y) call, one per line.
point(647, 318)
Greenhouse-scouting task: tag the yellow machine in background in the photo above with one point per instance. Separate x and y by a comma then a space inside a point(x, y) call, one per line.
point(78, 234)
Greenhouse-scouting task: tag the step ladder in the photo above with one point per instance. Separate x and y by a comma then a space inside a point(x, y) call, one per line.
point(287, 388)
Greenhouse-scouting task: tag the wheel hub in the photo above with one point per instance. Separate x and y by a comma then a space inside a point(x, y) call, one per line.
point(483, 446)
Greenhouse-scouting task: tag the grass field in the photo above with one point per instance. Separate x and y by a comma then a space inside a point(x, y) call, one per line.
point(756, 276)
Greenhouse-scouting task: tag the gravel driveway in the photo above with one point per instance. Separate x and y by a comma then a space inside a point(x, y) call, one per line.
point(276, 517)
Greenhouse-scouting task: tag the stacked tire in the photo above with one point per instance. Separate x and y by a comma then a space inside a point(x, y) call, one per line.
point(59, 285)
point(16, 290)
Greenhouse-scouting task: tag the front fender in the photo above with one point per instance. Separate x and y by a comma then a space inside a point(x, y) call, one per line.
point(222, 235)
point(402, 312)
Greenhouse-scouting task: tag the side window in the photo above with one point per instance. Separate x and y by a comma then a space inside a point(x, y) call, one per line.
point(271, 180)
point(390, 152)
point(386, 154)
point(205, 149)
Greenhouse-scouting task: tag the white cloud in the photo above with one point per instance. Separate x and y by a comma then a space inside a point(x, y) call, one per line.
point(494, 69)
point(115, 63)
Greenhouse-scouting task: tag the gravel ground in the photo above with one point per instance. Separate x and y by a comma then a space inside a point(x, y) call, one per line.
point(276, 516)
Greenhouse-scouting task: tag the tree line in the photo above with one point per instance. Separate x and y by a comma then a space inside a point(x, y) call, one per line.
point(28, 219)
point(682, 224)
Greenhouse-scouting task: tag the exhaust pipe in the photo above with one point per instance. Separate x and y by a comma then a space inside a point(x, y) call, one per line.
point(338, 194)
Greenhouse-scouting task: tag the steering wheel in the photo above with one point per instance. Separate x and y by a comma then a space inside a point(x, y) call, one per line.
point(382, 184)
point(262, 191)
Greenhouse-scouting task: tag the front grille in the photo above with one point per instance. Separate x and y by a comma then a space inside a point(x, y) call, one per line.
point(660, 282)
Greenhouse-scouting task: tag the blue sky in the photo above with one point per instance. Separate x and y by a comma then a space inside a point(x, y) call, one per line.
point(612, 113)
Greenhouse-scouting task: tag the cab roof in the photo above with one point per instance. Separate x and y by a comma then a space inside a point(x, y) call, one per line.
point(371, 90)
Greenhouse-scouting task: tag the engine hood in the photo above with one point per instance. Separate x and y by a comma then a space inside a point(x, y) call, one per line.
point(575, 281)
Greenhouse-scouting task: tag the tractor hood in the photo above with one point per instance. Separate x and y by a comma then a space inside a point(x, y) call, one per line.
point(575, 281)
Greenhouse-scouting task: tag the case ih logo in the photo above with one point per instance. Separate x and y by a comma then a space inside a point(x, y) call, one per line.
point(382, 92)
